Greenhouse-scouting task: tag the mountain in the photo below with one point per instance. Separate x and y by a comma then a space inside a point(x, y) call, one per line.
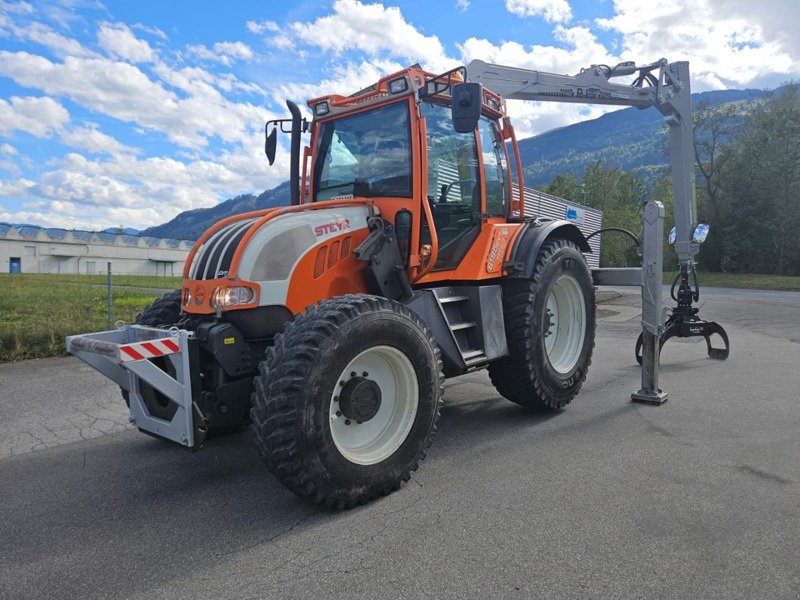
point(629, 139)
point(191, 224)
point(121, 230)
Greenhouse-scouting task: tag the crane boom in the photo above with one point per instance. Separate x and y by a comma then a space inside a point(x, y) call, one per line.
point(661, 84)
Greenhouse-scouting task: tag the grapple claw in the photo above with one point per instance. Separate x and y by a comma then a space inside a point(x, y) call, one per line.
point(710, 329)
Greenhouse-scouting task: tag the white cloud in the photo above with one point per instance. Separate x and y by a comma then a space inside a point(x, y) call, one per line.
point(462, 5)
point(92, 139)
point(11, 8)
point(554, 11)
point(123, 91)
point(37, 116)
point(141, 192)
point(238, 50)
point(45, 36)
point(14, 188)
point(534, 118)
point(726, 48)
point(154, 31)
point(771, 16)
point(222, 52)
point(373, 28)
point(580, 49)
point(118, 40)
point(54, 215)
point(344, 79)
point(280, 40)
point(9, 165)
point(8, 149)
point(255, 27)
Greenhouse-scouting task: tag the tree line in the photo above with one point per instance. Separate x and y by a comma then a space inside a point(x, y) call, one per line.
point(747, 167)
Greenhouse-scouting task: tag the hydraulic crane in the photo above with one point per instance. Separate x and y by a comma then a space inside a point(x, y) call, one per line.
point(666, 87)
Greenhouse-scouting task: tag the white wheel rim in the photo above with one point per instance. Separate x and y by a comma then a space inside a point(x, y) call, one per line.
point(563, 339)
point(378, 438)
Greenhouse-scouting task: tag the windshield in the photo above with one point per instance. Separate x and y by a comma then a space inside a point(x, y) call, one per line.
point(367, 154)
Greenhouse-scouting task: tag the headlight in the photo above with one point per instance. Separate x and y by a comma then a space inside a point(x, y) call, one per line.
point(232, 296)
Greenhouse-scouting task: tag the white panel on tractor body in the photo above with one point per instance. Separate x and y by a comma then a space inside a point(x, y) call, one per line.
point(275, 249)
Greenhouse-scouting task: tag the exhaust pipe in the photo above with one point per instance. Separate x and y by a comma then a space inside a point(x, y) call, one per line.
point(294, 159)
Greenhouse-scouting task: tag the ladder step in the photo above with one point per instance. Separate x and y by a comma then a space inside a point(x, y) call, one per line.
point(471, 354)
point(459, 326)
point(446, 299)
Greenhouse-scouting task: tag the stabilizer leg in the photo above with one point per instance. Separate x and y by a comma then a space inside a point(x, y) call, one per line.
point(652, 274)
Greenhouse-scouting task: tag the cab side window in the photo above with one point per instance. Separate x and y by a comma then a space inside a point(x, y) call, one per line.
point(495, 168)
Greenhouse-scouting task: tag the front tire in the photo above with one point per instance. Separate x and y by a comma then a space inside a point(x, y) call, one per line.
point(550, 323)
point(164, 312)
point(347, 399)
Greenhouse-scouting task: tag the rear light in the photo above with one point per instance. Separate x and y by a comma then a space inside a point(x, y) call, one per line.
point(232, 296)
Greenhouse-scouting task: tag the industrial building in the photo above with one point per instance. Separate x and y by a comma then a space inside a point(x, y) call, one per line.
point(586, 218)
point(28, 249)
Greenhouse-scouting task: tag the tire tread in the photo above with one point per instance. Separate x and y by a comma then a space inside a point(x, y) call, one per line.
point(515, 376)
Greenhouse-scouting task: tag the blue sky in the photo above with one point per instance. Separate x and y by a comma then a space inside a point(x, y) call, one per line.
point(126, 113)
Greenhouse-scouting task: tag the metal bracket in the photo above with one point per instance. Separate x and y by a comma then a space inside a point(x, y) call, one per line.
point(122, 356)
point(381, 252)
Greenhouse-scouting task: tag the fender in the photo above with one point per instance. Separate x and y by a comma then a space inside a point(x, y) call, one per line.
point(530, 240)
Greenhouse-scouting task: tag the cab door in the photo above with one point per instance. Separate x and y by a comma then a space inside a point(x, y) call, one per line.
point(454, 186)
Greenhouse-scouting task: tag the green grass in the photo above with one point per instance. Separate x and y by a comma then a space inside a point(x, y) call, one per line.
point(744, 281)
point(141, 281)
point(38, 311)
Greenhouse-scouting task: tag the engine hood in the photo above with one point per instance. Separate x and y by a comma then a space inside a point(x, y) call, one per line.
point(269, 251)
point(272, 252)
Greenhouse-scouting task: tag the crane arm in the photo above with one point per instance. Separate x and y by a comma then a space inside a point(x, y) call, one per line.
point(661, 84)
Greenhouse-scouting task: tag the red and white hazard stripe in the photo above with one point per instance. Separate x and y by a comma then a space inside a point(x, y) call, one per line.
point(151, 349)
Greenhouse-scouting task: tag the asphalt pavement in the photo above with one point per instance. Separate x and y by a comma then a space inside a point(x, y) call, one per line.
point(698, 498)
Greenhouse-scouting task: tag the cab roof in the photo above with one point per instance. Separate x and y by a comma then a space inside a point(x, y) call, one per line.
point(402, 83)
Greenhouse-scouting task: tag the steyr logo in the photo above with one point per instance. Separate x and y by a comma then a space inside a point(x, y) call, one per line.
point(332, 227)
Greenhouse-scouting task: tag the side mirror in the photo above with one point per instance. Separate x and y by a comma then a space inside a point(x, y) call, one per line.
point(467, 98)
point(700, 233)
point(271, 143)
point(672, 236)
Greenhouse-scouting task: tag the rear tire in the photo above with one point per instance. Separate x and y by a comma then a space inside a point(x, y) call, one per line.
point(550, 322)
point(347, 399)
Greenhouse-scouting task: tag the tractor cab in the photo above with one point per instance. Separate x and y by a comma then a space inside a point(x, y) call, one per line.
point(439, 174)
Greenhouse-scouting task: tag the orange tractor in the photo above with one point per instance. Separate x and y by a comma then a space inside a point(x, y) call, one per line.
point(405, 257)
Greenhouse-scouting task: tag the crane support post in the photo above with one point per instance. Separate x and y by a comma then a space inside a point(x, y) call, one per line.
point(652, 326)
point(677, 110)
